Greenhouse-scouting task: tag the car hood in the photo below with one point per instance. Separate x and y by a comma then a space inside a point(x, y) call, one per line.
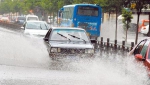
point(71, 45)
point(35, 32)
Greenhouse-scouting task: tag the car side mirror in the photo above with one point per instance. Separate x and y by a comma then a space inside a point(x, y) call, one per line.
point(139, 57)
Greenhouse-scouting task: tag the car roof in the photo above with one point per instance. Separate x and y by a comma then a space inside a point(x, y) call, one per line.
point(31, 16)
point(66, 28)
point(35, 21)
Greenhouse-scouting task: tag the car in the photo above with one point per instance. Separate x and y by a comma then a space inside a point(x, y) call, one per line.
point(144, 30)
point(20, 20)
point(68, 41)
point(143, 24)
point(4, 19)
point(35, 28)
point(141, 52)
point(31, 18)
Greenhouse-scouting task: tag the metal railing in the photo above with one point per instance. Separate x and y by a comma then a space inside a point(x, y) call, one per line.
point(113, 45)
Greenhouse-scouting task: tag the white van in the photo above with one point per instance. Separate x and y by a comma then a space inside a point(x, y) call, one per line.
point(32, 17)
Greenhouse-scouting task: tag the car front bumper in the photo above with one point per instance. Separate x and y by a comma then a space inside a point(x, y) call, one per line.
point(65, 55)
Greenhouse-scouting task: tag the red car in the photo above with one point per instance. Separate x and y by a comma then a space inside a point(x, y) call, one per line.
point(143, 24)
point(142, 52)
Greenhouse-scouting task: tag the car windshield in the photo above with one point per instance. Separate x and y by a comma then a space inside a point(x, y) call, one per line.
point(69, 34)
point(32, 18)
point(146, 23)
point(37, 25)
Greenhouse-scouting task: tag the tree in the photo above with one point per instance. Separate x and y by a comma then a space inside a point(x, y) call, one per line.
point(127, 16)
point(138, 6)
point(85, 1)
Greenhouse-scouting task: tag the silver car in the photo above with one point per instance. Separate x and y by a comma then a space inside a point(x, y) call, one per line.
point(64, 41)
point(35, 28)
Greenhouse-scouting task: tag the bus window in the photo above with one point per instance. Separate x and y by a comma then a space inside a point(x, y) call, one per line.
point(87, 11)
point(67, 13)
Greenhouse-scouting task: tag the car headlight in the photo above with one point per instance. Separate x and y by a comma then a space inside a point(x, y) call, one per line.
point(89, 51)
point(55, 50)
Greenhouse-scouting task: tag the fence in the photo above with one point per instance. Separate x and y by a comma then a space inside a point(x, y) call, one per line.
point(113, 45)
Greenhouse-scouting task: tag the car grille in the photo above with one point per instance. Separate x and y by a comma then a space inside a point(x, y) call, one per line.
point(72, 51)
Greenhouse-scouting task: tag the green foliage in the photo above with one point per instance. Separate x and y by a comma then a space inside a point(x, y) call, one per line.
point(127, 16)
point(51, 6)
point(137, 4)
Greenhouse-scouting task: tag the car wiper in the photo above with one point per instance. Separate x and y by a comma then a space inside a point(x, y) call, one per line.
point(76, 37)
point(40, 26)
point(63, 36)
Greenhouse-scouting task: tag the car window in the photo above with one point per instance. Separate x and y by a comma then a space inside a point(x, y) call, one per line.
point(146, 23)
point(32, 18)
point(149, 53)
point(43, 26)
point(139, 47)
point(36, 25)
point(144, 49)
point(67, 32)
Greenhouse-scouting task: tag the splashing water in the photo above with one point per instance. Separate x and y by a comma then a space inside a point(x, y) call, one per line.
point(112, 71)
point(18, 50)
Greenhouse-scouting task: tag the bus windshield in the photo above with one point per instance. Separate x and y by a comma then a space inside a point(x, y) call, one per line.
point(87, 11)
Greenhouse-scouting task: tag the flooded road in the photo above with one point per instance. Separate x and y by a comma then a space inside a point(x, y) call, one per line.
point(108, 29)
point(24, 60)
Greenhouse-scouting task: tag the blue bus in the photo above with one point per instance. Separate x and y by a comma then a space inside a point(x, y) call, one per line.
point(86, 16)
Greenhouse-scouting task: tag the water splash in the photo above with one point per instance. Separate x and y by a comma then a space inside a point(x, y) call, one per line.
point(110, 69)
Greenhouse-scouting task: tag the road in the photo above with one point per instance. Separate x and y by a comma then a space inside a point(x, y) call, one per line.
point(24, 60)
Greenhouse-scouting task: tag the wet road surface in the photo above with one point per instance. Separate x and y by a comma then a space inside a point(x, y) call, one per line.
point(24, 60)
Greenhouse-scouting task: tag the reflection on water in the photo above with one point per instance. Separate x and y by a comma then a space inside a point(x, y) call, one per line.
point(108, 17)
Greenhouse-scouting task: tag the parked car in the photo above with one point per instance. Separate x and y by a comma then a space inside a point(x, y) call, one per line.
point(145, 29)
point(143, 24)
point(20, 20)
point(142, 52)
point(35, 28)
point(68, 41)
point(4, 19)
